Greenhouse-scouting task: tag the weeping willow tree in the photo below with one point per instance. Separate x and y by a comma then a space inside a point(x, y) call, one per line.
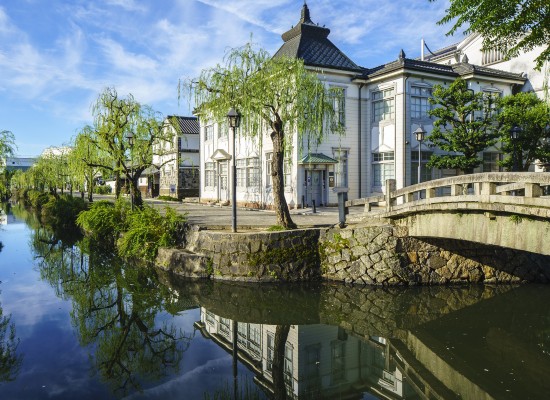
point(277, 97)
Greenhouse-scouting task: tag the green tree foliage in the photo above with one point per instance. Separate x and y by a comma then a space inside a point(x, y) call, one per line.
point(511, 26)
point(7, 148)
point(51, 171)
point(532, 116)
point(464, 126)
point(274, 95)
point(7, 144)
point(115, 119)
point(87, 161)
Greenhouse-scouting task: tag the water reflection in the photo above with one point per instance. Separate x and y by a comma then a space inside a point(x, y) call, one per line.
point(10, 361)
point(114, 307)
point(475, 342)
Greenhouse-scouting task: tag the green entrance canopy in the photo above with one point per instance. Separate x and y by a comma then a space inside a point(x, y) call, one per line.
point(318, 158)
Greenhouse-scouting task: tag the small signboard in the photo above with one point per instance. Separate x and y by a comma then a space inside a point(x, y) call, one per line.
point(331, 179)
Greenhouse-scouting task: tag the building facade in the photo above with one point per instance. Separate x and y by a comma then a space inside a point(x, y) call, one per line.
point(381, 109)
point(178, 172)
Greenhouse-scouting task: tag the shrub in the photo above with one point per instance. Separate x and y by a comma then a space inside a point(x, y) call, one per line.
point(37, 199)
point(104, 219)
point(148, 230)
point(105, 189)
point(167, 198)
point(61, 212)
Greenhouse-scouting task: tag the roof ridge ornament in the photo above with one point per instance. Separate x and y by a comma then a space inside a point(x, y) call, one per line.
point(305, 13)
point(401, 55)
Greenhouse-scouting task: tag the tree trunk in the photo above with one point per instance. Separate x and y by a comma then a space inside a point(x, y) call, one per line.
point(281, 336)
point(277, 175)
point(138, 201)
point(117, 185)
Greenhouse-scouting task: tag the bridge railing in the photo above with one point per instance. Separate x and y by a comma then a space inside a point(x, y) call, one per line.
point(518, 188)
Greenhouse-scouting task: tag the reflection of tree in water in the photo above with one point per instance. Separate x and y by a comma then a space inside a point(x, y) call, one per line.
point(10, 362)
point(114, 307)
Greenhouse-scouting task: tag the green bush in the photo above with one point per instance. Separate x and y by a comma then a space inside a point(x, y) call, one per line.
point(105, 189)
point(104, 219)
point(37, 199)
point(148, 230)
point(167, 198)
point(61, 212)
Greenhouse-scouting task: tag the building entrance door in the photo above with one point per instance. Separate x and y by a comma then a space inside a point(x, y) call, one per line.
point(223, 192)
point(314, 187)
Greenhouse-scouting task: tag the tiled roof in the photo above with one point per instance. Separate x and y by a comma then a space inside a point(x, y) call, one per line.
point(456, 70)
point(188, 125)
point(310, 42)
point(317, 158)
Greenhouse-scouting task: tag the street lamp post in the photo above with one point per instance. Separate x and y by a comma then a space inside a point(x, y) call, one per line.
point(514, 136)
point(234, 119)
point(130, 138)
point(420, 134)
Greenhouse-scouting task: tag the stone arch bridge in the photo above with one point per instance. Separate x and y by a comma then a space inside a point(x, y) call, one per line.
point(505, 209)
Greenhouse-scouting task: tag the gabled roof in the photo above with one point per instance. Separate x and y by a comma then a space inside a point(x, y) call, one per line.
point(310, 42)
point(454, 70)
point(185, 125)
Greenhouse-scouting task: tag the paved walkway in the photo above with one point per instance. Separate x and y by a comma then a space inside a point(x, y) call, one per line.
point(220, 216)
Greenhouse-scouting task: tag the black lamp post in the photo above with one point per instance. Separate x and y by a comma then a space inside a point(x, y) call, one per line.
point(514, 136)
point(234, 119)
point(420, 134)
point(130, 138)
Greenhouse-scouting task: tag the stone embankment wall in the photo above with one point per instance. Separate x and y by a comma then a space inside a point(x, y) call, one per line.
point(374, 255)
point(385, 255)
point(257, 256)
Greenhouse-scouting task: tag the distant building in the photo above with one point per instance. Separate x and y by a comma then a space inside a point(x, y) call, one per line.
point(178, 168)
point(18, 163)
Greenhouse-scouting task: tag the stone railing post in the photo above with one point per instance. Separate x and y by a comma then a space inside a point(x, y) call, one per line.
point(533, 190)
point(456, 190)
point(488, 188)
point(390, 187)
point(342, 209)
point(430, 193)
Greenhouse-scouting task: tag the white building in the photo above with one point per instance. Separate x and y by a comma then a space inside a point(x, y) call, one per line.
point(17, 163)
point(382, 108)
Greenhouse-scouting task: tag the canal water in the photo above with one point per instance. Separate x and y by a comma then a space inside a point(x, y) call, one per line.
point(76, 323)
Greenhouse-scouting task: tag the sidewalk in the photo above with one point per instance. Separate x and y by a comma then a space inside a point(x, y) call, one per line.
point(215, 216)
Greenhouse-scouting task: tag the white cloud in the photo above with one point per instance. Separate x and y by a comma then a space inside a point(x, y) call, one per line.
point(129, 5)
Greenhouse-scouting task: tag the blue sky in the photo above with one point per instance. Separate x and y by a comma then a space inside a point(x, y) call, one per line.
point(56, 56)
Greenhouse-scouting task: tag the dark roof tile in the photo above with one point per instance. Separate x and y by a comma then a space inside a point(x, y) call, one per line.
point(185, 125)
point(310, 42)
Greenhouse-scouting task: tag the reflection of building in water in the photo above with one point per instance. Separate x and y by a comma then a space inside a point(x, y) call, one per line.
point(320, 361)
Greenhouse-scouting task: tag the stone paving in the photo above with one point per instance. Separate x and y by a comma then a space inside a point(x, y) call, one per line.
point(220, 216)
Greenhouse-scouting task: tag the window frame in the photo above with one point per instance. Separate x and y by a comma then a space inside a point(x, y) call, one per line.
point(383, 99)
point(382, 162)
point(210, 174)
point(422, 94)
point(208, 133)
